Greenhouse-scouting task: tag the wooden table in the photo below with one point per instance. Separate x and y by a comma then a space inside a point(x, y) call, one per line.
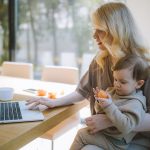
point(16, 135)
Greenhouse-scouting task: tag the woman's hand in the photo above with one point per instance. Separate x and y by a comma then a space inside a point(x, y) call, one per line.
point(62, 101)
point(33, 103)
point(98, 122)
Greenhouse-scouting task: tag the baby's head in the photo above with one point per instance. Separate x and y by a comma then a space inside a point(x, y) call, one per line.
point(130, 73)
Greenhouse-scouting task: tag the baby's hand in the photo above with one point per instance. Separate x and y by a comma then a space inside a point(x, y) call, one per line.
point(102, 97)
point(104, 102)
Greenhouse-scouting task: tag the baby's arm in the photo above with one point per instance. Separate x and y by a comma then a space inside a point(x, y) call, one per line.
point(144, 125)
point(126, 119)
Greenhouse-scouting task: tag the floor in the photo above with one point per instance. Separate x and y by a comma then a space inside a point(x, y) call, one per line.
point(65, 140)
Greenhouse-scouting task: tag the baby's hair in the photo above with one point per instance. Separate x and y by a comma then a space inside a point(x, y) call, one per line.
point(140, 68)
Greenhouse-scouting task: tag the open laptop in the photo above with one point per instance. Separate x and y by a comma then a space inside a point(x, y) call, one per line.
point(17, 111)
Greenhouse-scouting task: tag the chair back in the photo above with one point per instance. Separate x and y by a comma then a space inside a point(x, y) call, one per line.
point(62, 74)
point(17, 69)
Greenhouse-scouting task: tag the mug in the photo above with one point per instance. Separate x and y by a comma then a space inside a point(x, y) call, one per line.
point(6, 93)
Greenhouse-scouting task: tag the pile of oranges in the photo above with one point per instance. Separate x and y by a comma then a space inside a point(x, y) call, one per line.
point(51, 95)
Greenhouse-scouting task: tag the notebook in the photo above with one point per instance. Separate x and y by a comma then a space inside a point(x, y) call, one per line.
point(17, 111)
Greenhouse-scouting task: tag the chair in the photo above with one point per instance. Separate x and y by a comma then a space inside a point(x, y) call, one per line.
point(64, 75)
point(17, 69)
point(61, 74)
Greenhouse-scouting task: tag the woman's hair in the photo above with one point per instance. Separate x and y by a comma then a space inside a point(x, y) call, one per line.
point(116, 20)
point(140, 68)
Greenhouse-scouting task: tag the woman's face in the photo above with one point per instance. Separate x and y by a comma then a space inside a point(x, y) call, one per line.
point(99, 36)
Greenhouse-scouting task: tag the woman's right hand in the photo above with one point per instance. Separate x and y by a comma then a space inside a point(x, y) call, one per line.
point(97, 122)
point(35, 102)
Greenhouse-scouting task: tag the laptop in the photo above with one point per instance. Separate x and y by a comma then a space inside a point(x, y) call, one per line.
point(17, 111)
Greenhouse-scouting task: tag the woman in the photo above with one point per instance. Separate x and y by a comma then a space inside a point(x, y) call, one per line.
point(116, 35)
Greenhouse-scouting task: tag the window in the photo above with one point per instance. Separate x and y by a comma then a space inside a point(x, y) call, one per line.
point(4, 30)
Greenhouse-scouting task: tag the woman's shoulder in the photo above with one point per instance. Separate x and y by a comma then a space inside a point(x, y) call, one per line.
point(93, 62)
point(94, 66)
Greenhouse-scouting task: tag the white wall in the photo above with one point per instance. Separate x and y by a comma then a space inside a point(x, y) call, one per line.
point(141, 12)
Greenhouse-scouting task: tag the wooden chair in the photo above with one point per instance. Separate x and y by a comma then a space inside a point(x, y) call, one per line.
point(61, 74)
point(17, 69)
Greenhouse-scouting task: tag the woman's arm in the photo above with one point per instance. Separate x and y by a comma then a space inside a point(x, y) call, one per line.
point(69, 99)
point(65, 100)
point(144, 125)
point(101, 121)
point(98, 122)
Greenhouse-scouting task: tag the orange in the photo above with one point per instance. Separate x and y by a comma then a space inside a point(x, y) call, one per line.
point(51, 95)
point(102, 94)
point(41, 92)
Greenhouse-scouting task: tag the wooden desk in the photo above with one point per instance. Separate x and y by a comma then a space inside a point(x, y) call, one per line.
point(16, 135)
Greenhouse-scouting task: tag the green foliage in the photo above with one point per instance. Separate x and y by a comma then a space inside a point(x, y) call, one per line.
point(4, 25)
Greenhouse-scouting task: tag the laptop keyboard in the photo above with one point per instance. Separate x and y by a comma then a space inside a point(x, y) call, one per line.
point(10, 111)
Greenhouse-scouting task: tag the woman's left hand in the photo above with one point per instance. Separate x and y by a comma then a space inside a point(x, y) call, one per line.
point(97, 122)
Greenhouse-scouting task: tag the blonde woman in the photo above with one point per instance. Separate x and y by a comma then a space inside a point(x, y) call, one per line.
point(116, 36)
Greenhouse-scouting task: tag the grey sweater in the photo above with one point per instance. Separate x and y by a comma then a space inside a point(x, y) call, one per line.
point(125, 112)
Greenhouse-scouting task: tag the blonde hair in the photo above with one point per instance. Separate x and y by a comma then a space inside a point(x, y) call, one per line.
point(117, 21)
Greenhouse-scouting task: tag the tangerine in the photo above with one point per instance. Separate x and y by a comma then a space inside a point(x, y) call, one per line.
point(41, 92)
point(51, 95)
point(102, 94)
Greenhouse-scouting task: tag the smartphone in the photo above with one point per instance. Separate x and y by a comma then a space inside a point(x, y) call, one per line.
point(30, 90)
